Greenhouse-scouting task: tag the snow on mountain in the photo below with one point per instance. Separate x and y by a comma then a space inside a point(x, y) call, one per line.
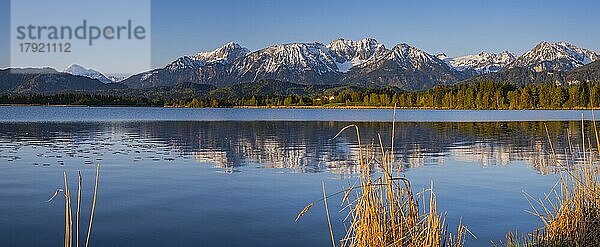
point(337, 57)
point(292, 62)
point(345, 61)
point(413, 58)
point(340, 61)
point(185, 62)
point(560, 56)
point(78, 70)
point(117, 77)
point(442, 56)
point(307, 62)
point(481, 63)
point(404, 66)
point(349, 53)
point(224, 55)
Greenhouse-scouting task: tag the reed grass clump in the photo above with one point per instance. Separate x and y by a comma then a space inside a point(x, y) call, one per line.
point(70, 233)
point(383, 209)
point(570, 213)
point(574, 219)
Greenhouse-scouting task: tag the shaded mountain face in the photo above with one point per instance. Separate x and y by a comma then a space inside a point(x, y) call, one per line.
point(48, 81)
point(76, 69)
point(482, 63)
point(205, 68)
point(222, 55)
point(341, 61)
point(405, 67)
point(522, 75)
point(559, 56)
point(586, 73)
point(212, 73)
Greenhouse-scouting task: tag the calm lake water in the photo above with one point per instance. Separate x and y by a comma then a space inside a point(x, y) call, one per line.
point(238, 177)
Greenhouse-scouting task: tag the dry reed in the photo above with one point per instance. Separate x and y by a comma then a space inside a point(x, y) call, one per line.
point(68, 239)
point(570, 213)
point(384, 210)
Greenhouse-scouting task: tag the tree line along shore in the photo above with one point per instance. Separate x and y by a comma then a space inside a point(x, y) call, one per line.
point(473, 96)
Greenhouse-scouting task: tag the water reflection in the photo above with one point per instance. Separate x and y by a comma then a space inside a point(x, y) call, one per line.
point(299, 146)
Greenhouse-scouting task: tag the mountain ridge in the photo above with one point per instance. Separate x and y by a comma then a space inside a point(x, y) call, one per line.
point(361, 63)
point(341, 61)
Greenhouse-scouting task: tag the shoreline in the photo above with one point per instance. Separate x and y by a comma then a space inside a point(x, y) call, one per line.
point(309, 107)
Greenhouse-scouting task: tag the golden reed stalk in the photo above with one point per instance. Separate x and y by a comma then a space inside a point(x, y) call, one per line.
point(68, 240)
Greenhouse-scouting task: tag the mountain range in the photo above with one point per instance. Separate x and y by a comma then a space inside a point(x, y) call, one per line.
point(363, 63)
point(349, 62)
point(342, 61)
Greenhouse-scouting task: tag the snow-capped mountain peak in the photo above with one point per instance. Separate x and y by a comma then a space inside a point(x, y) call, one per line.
point(482, 63)
point(78, 70)
point(224, 54)
point(350, 53)
point(349, 49)
point(293, 59)
point(185, 62)
point(561, 56)
point(442, 56)
point(412, 56)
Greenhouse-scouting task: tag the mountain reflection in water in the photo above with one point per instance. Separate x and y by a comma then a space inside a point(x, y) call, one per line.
point(300, 146)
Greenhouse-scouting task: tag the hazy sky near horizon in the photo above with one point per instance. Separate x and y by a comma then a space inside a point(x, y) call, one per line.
point(457, 27)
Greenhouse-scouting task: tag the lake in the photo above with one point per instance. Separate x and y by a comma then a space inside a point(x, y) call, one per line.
point(239, 177)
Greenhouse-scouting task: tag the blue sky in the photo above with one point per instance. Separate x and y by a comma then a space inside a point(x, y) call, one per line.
point(455, 27)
